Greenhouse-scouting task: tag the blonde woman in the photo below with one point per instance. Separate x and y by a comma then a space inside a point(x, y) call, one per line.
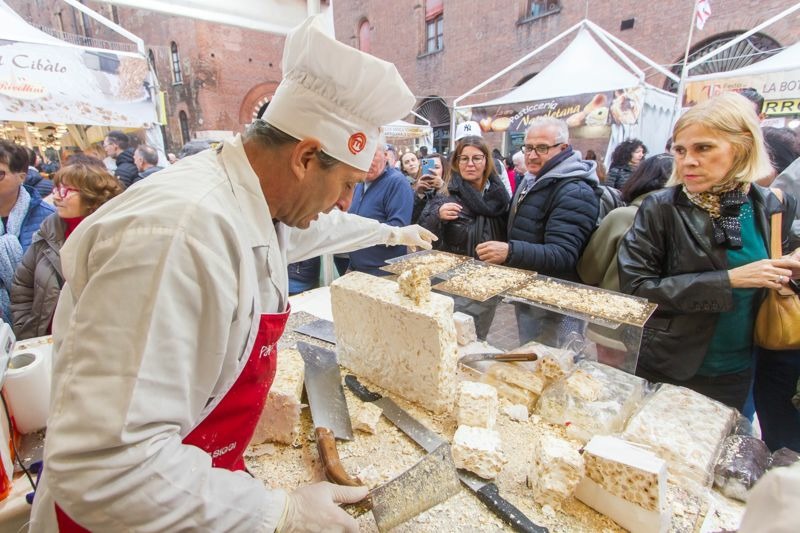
point(699, 249)
point(78, 190)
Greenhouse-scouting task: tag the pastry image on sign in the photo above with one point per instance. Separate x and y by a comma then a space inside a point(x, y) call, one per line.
point(626, 106)
point(598, 117)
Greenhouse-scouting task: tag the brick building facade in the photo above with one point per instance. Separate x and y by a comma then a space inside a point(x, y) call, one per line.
point(442, 48)
point(477, 38)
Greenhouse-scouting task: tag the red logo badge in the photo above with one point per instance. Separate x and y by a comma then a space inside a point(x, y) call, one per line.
point(356, 142)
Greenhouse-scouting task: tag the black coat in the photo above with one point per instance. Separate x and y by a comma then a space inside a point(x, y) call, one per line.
point(126, 170)
point(669, 257)
point(547, 232)
point(482, 217)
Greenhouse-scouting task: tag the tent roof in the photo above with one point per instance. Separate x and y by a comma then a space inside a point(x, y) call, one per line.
point(788, 59)
point(274, 16)
point(15, 28)
point(583, 67)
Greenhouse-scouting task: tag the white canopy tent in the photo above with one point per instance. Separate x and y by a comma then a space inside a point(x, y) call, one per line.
point(273, 16)
point(776, 78)
point(585, 79)
point(49, 81)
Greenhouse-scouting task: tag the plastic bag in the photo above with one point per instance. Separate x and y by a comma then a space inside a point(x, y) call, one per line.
point(741, 463)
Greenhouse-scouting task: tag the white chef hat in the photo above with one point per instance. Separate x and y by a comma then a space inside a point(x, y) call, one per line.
point(469, 127)
point(336, 94)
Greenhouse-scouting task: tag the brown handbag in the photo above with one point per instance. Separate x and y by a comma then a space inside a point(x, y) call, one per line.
point(778, 320)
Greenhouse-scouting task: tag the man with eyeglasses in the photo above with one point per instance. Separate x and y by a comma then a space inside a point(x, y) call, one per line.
point(553, 212)
point(165, 333)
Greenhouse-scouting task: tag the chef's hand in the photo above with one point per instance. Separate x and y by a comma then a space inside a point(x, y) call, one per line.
point(413, 236)
point(492, 252)
point(315, 508)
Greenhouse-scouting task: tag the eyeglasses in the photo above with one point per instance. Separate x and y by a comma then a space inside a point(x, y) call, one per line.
point(475, 159)
point(540, 149)
point(63, 191)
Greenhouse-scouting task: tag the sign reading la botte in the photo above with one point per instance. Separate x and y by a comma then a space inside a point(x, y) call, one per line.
point(780, 89)
point(44, 83)
point(587, 115)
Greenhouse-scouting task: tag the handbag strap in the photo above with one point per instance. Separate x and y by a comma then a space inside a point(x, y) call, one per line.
point(775, 229)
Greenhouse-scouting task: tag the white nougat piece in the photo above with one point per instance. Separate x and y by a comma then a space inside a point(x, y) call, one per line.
point(686, 429)
point(367, 417)
point(410, 350)
point(280, 419)
point(415, 285)
point(478, 450)
point(465, 328)
point(626, 483)
point(477, 405)
point(556, 470)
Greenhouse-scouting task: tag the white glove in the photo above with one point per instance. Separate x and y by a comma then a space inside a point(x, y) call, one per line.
point(414, 236)
point(314, 508)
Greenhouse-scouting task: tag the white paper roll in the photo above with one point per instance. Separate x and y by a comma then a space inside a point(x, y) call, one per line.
point(27, 390)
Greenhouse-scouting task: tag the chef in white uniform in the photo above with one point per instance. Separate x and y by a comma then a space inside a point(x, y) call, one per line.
point(176, 295)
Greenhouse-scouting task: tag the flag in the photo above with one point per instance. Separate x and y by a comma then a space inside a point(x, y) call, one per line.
point(702, 10)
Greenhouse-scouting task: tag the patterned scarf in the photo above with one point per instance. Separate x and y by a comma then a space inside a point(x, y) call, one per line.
point(11, 250)
point(723, 205)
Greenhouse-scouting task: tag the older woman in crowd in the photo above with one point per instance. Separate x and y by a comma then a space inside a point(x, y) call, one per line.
point(598, 264)
point(699, 249)
point(79, 190)
point(22, 211)
point(624, 160)
point(474, 209)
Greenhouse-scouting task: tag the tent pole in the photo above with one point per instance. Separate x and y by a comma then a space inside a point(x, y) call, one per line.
point(625, 46)
point(518, 62)
point(108, 23)
point(685, 68)
point(625, 59)
point(743, 36)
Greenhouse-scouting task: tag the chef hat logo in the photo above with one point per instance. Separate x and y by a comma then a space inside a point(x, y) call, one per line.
point(336, 94)
point(468, 128)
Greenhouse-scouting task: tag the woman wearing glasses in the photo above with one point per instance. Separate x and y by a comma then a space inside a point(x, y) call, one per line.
point(22, 211)
point(472, 210)
point(78, 190)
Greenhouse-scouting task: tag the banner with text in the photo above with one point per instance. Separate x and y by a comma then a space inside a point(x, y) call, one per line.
point(589, 116)
point(777, 88)
point(41, 83)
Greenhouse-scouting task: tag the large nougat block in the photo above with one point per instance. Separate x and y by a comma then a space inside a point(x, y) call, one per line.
point(595, 399)
point(556, 470)
point(626, 483)
point(684, 428)
point(478, 450)
point(280, 419)
point(408, 349)
point(477, 405)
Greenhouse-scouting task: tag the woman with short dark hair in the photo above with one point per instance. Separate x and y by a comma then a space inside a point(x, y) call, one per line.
point(624, 160)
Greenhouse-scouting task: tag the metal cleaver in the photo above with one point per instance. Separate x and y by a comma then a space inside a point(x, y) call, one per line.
point(323, 382)
point(319, 329)
point(486, 491)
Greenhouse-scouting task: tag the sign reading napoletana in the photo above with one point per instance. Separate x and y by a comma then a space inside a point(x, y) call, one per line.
point(42, 83)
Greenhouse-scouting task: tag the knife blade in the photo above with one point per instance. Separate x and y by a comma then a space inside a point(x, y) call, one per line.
point(498, 357)
point(319, 329)
point(323, 381)
point(486, 491)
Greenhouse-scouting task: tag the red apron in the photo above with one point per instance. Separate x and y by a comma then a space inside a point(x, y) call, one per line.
point(225, 433)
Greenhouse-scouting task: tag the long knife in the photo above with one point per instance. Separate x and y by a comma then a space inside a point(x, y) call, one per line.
point(486, 491)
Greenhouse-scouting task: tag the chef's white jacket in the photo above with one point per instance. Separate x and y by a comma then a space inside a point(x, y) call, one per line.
point(155, 322)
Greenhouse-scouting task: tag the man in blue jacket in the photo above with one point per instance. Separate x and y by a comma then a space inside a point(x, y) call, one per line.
point(553, 213)
point(385, 196)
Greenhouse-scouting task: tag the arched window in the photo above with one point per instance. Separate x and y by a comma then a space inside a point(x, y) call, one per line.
point(184, 120)
point(751, 50)
point(434, 109)
point(177, 76)
point(364, 38)
point(152, 58)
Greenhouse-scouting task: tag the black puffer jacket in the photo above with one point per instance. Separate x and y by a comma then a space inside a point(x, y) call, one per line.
point(548, 234)
point(618, 176)
point(126, 171)
point(482, 217)
point(670, 258)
